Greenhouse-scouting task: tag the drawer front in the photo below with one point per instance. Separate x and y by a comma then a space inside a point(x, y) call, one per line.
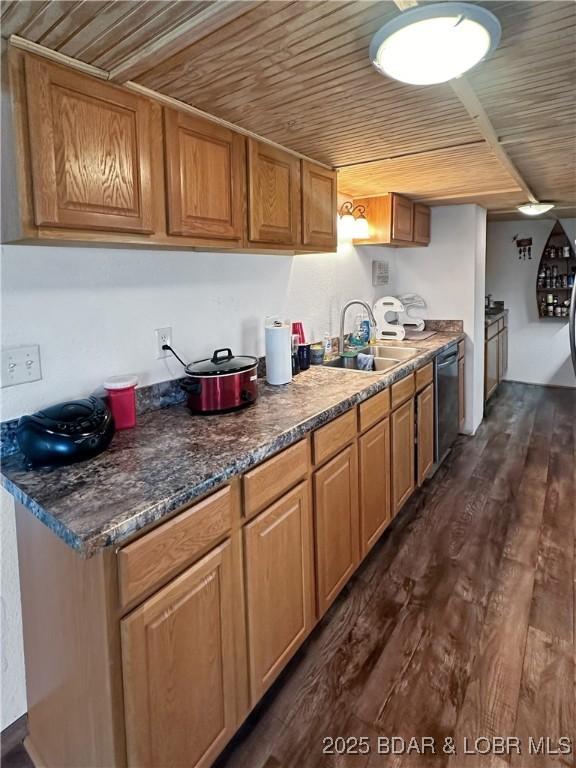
point(402, 390)
point(330, 439)
point(373, 410)
point(424, 376)
point(163, 552)
point(461, 349)
point(271, 479)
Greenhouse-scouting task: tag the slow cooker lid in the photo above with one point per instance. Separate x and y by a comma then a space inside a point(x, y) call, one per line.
point(221, 362)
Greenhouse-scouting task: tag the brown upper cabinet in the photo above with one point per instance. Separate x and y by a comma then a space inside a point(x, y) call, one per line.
point(319, 204)
point(395, 220)
point(204, 177)
point(90, 152)
point(401, 219)
point(421, 224)
point(100, 163)
point(273, 195)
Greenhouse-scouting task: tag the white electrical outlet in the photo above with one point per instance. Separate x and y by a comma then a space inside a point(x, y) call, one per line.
point(163, 336)
point(20, 365)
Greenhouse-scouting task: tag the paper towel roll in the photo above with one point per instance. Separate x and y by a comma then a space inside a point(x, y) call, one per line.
point(278, 339)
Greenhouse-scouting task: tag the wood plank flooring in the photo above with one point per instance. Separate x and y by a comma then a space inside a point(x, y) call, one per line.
point(460, 623)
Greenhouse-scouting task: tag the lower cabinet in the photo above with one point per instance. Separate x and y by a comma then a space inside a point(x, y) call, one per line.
point(402, 430)
point(178, 666)
point(491, 365)
point(425, 429)
point(461, 393)
point(374, 450)
point(502, 353)
point(336, 525)
point(278, 554)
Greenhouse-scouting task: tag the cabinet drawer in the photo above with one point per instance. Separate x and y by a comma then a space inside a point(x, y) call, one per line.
point(374, 409)
point(328, 440)
point(461, 349)
point(402, 390)
point(163, 552)
point(424, 376)
point(275, 476)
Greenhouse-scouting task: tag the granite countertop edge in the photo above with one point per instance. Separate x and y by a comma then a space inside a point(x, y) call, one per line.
point(118, 532)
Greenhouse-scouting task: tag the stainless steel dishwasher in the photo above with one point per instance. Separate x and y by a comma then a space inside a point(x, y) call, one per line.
point(446, 395)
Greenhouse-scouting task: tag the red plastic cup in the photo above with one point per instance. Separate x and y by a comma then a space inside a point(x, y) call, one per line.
point(298, 330)
point(122, 400)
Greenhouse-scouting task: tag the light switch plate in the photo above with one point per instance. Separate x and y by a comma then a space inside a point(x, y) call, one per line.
point(20, 365)
point(380, 273)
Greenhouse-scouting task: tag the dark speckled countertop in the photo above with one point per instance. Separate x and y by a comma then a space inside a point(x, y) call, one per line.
point(173, 457)
point(492, 317)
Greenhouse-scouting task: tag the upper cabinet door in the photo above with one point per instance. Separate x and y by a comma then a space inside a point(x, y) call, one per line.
point(90, 152)
point(421, 224)
point(401, 218)
point(204, 177)
point(273, 195)
point(319, 206)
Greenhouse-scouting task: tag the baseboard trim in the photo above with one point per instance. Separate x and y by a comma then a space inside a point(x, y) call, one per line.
point(534, 384)
point(13, 735)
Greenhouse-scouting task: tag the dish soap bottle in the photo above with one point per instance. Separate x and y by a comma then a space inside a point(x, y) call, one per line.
point(327, 344)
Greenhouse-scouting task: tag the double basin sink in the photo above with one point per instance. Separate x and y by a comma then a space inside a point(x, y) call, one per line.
point(385, 357)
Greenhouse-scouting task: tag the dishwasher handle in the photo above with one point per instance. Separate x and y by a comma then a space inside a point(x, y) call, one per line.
point(448, 361)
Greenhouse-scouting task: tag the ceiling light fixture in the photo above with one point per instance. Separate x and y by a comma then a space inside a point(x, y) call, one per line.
point(352, 223)
point(435, 42)
point(535, 209)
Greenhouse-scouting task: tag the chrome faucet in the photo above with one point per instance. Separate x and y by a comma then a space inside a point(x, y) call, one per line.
point(343, 317)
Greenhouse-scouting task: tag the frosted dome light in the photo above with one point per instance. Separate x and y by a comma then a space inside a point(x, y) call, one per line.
point(535, 209)
point(434, 43)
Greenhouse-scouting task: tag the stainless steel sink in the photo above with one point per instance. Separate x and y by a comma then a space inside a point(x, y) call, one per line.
point(350, 363)
point(392, 352)
point(385, 358)
point(346, 364)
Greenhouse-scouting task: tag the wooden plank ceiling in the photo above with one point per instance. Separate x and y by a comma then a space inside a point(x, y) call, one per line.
point(297, 72)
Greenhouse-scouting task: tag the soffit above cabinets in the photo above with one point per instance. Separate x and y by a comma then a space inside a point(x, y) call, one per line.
point(298, 73)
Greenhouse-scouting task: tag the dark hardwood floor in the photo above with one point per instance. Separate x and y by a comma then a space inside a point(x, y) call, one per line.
point(461, 622)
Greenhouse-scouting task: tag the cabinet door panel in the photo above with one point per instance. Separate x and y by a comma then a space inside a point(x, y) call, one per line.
point(425, 410)
point(374, 483)
point(273, 195)
point(502, 353)
point(90, 152)
point(461, 393)
point(204, 177)
point(401, 218)
point(402, 425)
point(319, 206)
point(421, 227)
point(336, 525)
point(279, 586)
point(178, 664)
point(491, 366)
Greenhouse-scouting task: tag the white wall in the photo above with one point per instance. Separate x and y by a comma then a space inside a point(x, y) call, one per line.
point(539, 350)
point(93, 311)
point(449, 275)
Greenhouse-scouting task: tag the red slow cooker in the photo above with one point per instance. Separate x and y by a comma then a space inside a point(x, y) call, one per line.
point(222, 382)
